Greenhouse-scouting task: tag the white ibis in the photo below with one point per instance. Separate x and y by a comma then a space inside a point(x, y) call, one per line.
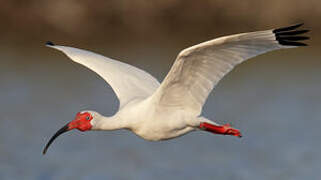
point(163, 111)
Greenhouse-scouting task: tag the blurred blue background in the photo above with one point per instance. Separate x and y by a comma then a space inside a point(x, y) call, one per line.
point(274, 98)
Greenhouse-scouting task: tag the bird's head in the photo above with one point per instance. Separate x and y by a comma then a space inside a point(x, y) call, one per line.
point(84, 121)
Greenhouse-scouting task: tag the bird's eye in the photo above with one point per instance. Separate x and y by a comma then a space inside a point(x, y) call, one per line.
point(88, 117)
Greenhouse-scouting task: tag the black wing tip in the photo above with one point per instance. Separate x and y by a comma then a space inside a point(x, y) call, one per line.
point(291, 43)
point(288, 28)
point(287, 36)
point(49, 43)
point(288, 33)
point(292, 38)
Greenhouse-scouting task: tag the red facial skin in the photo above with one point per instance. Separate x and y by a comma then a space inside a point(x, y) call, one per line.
point(81, 122)
point(224, 129)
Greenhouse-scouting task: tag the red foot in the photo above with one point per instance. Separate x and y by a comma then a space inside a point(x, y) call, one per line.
point(225, 129)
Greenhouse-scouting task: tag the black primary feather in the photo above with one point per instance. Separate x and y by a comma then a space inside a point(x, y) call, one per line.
point(49, 43)
point(288, 36)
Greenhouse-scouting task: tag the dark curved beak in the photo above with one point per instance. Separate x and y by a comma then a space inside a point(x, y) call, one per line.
point(59, 132)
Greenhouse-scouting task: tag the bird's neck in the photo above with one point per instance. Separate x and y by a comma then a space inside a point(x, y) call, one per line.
point(111, 123)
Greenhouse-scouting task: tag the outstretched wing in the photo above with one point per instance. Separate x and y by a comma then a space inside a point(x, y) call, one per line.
point(128, 82)
point(199, 68)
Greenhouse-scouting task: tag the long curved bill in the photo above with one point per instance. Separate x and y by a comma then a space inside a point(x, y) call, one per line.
point(59, 132)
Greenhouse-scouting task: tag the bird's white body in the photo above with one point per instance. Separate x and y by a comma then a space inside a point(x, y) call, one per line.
point(157, 111)
point(141, 117)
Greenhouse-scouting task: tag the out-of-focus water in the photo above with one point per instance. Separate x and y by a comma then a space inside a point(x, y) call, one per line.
point(274, 99)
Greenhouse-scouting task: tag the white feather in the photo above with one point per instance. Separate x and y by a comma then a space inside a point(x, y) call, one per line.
point(199, 68)
point(128, 82)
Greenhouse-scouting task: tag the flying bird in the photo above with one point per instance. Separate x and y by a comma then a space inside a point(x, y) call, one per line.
point(159, 111)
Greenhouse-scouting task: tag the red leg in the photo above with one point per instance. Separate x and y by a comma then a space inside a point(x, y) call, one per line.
point(224, 129)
